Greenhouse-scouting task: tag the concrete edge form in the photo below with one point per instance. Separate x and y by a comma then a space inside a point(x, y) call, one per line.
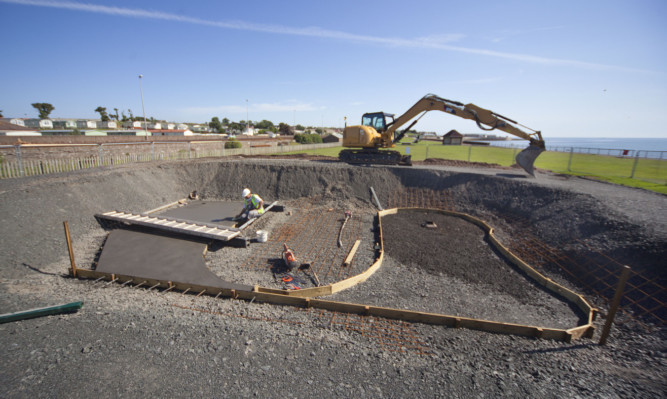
point(279, 297)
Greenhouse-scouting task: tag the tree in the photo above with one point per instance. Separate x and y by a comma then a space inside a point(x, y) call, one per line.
point(1, 116)
point(235, 127)
point(233, 143)
point(215, 124)
point(116, 116)
point(285, 129)
point(225, 121)
point(103, 113)
point(267, 125)
point(299, 127)
point(44, 109)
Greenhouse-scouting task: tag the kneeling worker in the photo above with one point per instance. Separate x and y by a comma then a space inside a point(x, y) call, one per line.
point(253, 205)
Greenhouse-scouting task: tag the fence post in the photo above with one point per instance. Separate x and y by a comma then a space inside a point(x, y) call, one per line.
point(101, 154)
point(18, 157)
point(426, 157)
point(634, 165)
point(189, 148)
point(569, 162)
point(469, 151)
point(152, 150)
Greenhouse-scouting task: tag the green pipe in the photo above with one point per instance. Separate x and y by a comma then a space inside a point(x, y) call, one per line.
point(39, 312)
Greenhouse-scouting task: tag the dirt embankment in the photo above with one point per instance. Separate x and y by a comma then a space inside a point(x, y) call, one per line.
point(130, 342)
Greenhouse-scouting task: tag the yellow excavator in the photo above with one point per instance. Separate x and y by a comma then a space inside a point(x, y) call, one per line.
point(379, 131)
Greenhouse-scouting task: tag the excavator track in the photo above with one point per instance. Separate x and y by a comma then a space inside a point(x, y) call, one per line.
point(374, 157)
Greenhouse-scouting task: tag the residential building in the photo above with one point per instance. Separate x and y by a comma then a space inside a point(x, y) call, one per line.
point(38, 123)
point(86, 124)
point(452, 138)
point(15, 121)
point(107, 125)
point(64, 123)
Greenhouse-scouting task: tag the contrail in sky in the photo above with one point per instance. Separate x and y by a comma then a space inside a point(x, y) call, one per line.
point(438, 43)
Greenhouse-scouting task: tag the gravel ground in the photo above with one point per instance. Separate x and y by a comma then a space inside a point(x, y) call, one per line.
point(131, 342)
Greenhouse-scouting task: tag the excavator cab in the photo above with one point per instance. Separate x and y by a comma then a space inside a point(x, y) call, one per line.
point(377, 120)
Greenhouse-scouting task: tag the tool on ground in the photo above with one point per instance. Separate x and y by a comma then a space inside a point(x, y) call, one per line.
point(307, 266)
point(289, 258)
point(369, 143)
point(290, 263)
point(348, 214)
point(72, 307)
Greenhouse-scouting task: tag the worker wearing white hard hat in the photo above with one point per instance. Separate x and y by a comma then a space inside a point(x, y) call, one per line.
point(253, 205)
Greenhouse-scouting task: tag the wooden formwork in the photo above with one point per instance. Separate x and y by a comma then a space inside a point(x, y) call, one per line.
point(306, 297)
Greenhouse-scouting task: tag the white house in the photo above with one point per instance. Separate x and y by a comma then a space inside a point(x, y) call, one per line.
point(182, 126)
point(107, 125)
point(15, 121)
point(248, 131)
point(39, 123)
point(132, 125)
point(64, 124)
point(86, 124)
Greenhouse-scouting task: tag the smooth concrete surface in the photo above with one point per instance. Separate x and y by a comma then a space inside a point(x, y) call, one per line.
point(214, 212)
point(159, 257)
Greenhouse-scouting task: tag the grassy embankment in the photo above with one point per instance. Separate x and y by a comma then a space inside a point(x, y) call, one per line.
point(649, 174)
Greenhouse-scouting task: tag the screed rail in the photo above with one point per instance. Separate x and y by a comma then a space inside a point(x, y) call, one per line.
point(199, 229)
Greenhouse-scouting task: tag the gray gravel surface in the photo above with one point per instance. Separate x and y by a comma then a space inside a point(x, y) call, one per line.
point(128, 342)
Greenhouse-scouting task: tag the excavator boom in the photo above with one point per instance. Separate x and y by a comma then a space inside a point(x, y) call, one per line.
point(379, 134)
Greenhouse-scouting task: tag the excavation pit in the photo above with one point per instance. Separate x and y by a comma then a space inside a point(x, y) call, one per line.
point(463, 252)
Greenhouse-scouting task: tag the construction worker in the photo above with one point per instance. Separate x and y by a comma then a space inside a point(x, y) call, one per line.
point(253, 205)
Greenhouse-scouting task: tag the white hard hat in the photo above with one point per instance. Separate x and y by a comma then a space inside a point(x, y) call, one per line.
point(245, 193)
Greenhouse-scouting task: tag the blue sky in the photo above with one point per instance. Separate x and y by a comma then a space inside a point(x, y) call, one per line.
point(567, 68)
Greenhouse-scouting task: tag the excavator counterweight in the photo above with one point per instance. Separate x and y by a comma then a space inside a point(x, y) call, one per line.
point(370, 142)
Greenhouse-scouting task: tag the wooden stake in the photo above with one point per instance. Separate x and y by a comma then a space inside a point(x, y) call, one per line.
point(69, 248)
point(614, 304)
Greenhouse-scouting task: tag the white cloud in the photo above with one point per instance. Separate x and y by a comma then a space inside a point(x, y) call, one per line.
point(252, 108)
point(438, 42)
point(440, 39)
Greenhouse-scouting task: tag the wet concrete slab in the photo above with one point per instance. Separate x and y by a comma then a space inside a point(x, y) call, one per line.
point(161, 257)
point(215, 212)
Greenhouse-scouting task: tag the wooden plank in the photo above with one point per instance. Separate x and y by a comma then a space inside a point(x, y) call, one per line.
point(351, 254)
point(69, 248)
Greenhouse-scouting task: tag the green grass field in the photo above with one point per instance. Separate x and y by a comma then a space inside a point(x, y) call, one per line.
point(649, 174)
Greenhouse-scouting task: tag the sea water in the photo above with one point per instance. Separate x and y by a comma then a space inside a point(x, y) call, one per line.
point(647, 147)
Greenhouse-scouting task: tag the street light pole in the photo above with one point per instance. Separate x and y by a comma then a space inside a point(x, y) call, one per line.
point(141, 89)
point(247, 122)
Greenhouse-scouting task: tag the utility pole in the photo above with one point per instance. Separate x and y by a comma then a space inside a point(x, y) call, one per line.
point(142, 107)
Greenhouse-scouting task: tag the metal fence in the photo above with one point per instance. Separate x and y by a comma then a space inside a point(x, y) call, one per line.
point(37, 159)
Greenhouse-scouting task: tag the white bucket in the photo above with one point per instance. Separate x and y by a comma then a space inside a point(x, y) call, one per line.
point(262, 235)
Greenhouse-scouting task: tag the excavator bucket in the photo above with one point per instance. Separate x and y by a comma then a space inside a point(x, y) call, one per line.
point(527, 157)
